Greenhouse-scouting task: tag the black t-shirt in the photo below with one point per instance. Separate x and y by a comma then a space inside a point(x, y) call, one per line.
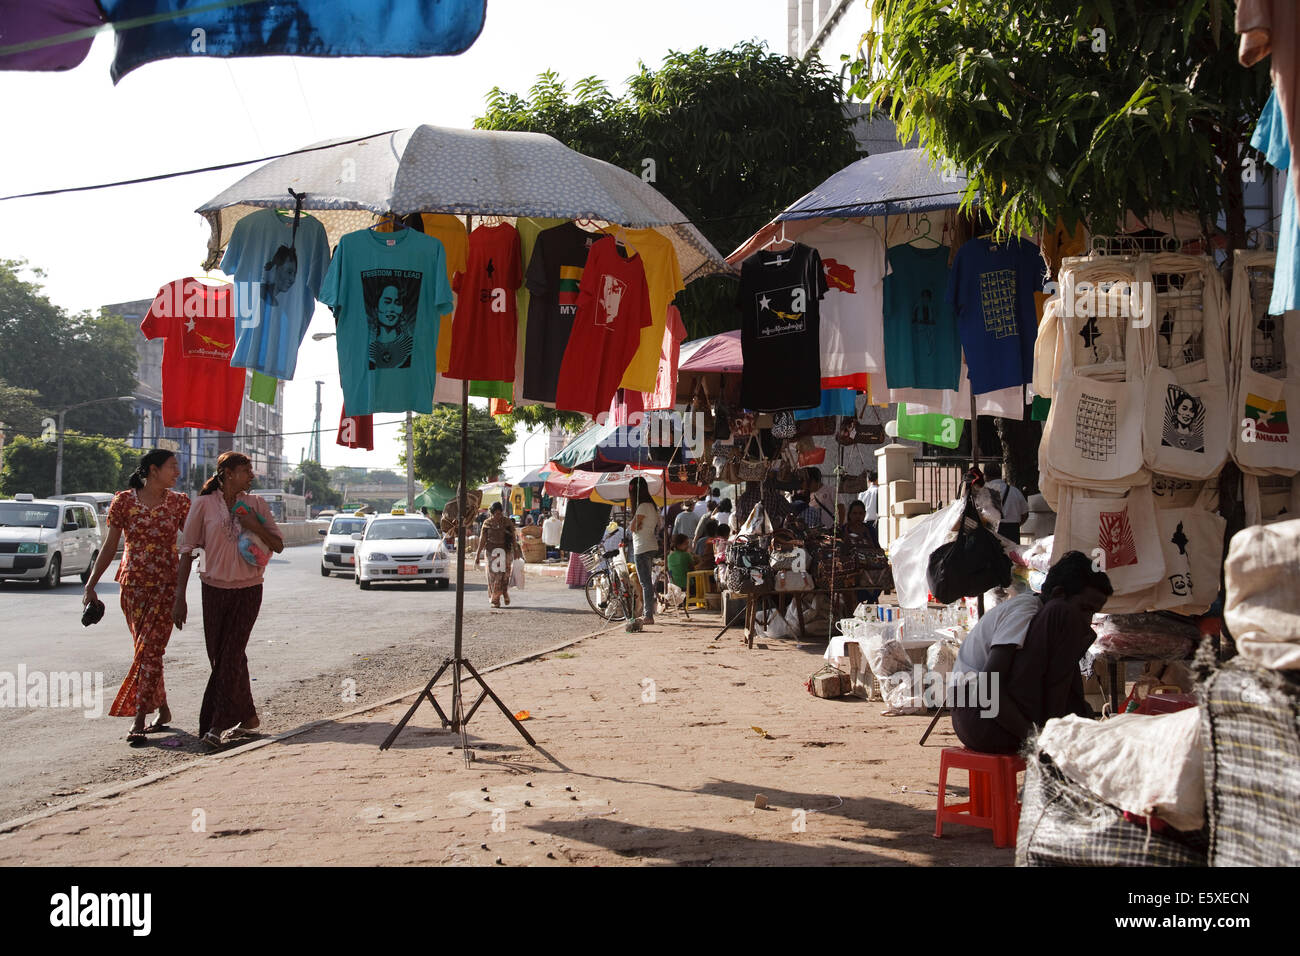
point(780, 319)
point(554, 273)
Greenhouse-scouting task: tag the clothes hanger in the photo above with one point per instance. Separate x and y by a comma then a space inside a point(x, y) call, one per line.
point(207, 278)
point(390, 219)
point(921, 236)
point(776, 240)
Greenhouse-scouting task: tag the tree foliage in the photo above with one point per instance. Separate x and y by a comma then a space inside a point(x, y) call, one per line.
point(436, 443)
point(89, 464)
point(65, 358)
point(1077, 108)
point(317, 484)
point(732, 136)
point(20, 410)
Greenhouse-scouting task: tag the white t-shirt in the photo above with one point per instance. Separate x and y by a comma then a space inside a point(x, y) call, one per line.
point(1007, 623)
point(852, 326)
point(1015, 507)
point(701, 508)
point(870, 498)
point(552, 529)
point(646, 539)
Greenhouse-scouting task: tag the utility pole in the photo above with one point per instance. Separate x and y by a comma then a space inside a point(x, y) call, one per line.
point(58, 453)
point(410, 461)
point(315, 435)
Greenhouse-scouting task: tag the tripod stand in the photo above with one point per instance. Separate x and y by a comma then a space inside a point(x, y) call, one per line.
point(458, 662)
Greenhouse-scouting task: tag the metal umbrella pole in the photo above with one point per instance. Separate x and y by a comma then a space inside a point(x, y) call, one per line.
point(458, 662)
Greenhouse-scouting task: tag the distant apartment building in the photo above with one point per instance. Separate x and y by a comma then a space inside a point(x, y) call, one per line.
point(258, 434)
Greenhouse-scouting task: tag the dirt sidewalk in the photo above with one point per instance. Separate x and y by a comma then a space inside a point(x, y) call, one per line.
point(647, 756)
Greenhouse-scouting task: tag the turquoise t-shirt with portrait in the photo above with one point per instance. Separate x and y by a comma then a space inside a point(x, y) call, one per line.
point(387, 291)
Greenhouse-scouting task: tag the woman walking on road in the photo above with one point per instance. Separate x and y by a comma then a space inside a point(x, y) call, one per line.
point(497, 537)
point(232, 590)
point(149, 514)
point(645, 540)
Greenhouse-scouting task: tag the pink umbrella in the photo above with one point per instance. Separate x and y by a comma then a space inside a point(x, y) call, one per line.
point(718, 353)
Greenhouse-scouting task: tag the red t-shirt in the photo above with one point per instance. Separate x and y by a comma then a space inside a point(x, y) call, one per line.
point(486, 325)
point(200, 389)
point(356, 431)
point(613, 308)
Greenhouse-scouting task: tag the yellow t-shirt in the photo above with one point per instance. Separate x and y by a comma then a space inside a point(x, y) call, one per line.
point(450, 231)
point(663, 276)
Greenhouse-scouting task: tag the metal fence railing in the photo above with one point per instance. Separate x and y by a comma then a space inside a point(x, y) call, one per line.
point(939, 480)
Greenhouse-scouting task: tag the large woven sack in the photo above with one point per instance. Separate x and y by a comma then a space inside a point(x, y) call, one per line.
point(1262, 608)
point(1150, 765)
point(1251, 729)
point(1064, 824)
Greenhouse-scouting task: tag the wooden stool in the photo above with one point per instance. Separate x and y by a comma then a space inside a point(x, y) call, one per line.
point(698, 584)
point(993, 804)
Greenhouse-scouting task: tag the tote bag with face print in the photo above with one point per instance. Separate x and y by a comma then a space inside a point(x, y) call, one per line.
point(1118, 531)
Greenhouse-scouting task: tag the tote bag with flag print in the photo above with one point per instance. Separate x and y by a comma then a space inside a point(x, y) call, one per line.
point(1265, 359)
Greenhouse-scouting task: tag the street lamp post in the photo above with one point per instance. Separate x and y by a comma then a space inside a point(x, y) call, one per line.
point(58, 452)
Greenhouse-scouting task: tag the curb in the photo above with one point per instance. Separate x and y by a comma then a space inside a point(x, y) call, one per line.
point(117, 789)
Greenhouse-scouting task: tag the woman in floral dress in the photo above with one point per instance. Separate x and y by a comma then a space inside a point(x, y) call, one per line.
point(150, 515)
point(498, 540)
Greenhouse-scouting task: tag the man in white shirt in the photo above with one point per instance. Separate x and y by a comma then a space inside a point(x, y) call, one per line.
point(1008, 500)
point(871, 500)
point(702, 506)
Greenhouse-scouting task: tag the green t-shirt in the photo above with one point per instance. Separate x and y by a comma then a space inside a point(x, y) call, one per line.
point(680, 563)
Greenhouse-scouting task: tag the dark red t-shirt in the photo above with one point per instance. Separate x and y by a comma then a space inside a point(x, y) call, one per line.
point(200, 389)
point(485, 327)
point(613, 308)
point(356, 431)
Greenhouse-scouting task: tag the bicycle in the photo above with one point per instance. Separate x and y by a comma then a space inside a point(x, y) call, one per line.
point(609, 588)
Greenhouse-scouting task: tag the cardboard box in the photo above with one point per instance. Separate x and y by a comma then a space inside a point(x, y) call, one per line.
point(830, 685)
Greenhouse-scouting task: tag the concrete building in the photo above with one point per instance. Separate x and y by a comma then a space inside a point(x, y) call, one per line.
point(258, 434)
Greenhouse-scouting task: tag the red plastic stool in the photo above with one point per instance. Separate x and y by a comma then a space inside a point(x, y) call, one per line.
point(993, 803)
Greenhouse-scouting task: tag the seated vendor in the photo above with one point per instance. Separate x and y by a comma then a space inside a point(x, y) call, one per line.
point(1019, 667)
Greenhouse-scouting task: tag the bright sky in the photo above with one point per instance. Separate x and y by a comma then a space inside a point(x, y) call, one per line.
point(114, 245)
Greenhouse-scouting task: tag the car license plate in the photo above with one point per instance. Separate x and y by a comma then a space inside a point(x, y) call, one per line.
point(408, 569)
point(352, 559)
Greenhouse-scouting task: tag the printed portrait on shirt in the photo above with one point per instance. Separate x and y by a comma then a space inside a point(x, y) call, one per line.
point(1184, 421)
point(392, 299)
point(612, 291)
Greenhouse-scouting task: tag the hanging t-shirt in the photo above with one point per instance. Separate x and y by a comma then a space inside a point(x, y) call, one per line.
point(200, 388)
point(851, 336)
point(779, 300)
point(356, 431)
point(665, 392)
point(554, 276)
point(450, 231)
point(387, 292)
point(992, 288)
point(663, 276)
point(277, 276)
point(922, 347)
point(1270, 138)
point(613, 308)
point(486, 326)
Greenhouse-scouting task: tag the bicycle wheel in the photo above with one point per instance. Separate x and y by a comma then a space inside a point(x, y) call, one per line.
point(601, 596)
point(623, 599)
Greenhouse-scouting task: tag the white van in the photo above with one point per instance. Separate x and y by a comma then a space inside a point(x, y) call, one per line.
point(101, 501)
point(44, 539)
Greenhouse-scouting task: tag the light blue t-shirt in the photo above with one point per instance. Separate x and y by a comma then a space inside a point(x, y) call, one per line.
point(1271, 140)
point(387, 290)
point(277, 276)
point(991, 287)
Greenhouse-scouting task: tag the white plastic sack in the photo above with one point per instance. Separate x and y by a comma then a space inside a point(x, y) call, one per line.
point(1262, 608)
point(517, 574)
point(909, 556)
point(901, 697)
point(941, 656)
point(884, 651)
point(769, 623)
point(1150, 765)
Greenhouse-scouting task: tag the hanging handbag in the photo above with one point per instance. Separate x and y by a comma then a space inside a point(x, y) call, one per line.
point(854, 484)
point(813, 427)
point(748, 569)
point(783, 425)
point(970, 565)
point(786, 581)
point(853, 432)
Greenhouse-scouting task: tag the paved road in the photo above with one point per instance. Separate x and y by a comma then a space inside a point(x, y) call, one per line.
point(312, 634)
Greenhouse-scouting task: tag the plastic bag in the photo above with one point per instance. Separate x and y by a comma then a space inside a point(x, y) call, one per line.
point(884, 651)
point(517, 574)
point(901, 697)
point(970, 564)
point(941, 656)
point(910, 554)
point(769, 623)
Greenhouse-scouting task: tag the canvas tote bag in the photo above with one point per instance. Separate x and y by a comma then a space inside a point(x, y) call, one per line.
point(1265, 360)
point(1192, 541)
point(1119, 530)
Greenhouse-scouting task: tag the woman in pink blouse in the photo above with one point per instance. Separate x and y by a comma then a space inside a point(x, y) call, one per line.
point(149, 514)
point(232, 590)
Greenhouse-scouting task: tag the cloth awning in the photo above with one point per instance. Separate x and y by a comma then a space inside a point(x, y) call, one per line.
point(717, 353)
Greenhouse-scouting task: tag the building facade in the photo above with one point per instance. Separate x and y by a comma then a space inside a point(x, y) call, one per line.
point(259, 434)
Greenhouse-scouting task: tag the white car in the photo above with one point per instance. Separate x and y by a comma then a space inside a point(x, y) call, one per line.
point(337, 550)
point(43, 540)
point(400, 548)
